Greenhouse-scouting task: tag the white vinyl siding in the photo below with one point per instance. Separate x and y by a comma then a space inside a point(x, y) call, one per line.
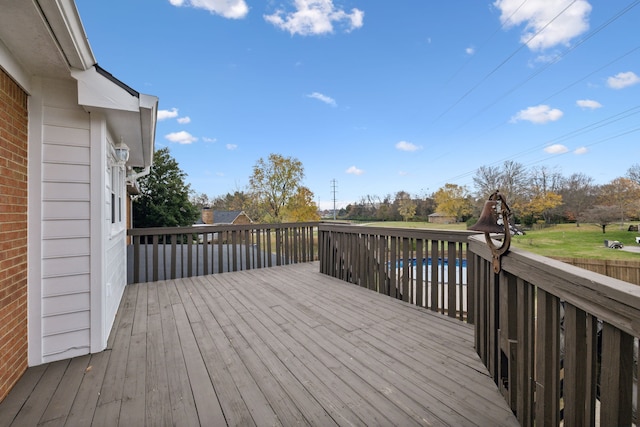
point(77, 272)
point(66, 216)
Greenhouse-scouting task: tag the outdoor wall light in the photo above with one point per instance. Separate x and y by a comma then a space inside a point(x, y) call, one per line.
point(495, 219)
point(122, 153)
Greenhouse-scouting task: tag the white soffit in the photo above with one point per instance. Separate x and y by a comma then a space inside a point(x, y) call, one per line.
point(131, 116)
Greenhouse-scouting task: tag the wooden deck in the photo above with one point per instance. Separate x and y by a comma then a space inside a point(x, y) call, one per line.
point(277, 346)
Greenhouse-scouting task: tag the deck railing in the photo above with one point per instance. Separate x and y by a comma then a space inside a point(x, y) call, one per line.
point(560, 341)
point(427, 268)
point(177, 252)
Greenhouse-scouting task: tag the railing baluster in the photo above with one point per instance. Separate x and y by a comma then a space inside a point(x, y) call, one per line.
point(525, 319)
point(435, 285)
point(615, 382)
point(575, 368)
point(451, 279)
point(420, 268)
point(548, 359)
point(136, 259)
point(406, 262)
point(174, 255)
point(205, 253)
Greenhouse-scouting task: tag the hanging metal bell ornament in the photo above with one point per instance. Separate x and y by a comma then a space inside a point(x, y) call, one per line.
point(494, 219)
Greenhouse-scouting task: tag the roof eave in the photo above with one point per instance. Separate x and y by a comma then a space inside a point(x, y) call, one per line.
point(131, 116)
point(67, 30)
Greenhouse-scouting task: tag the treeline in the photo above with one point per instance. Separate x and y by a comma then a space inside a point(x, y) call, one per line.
point(539, 194)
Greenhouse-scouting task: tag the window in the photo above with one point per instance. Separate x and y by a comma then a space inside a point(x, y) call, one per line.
point(113, 207)
point(117, 189)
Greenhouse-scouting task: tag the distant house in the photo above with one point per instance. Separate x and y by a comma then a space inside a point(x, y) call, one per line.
point(211, 217)
point(439, 218)
point(70, 136)
point(230, 217)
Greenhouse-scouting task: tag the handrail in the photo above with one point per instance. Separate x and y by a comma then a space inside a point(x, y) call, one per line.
point(557, 339)
point(409, 264)
point(176, 252)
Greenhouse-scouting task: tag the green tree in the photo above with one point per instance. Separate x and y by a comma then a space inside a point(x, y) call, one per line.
point(164, 196)
point(274, 183)
point(453, 200)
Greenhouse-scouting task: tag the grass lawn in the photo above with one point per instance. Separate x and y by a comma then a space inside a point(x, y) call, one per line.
point(586, 241)
point(564, 240)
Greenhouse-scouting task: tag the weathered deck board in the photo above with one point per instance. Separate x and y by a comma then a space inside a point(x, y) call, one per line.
point(277, 346)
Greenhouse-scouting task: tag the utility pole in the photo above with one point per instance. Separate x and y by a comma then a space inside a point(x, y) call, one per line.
point(334, 188)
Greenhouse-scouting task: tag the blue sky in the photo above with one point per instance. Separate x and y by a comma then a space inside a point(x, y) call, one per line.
point(380, 96)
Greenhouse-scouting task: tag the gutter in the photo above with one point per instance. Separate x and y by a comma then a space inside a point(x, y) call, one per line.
point(134, 176)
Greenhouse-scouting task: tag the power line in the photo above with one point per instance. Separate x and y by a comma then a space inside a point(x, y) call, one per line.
point(574, 133)
point(557, 58)
point(580, 131)
point(501, 64)
point(497, 31)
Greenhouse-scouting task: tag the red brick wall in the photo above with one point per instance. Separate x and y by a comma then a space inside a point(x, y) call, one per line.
point(13, 233)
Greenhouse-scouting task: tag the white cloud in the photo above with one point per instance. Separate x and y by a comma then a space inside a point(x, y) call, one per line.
point(470, 51)
point(181, 137)
point(589, 104)
point(581, 150)
point(205, 139)
point(407, 146)
point(622, 80)
point(538, 114)
point(556, 149)
point(234, 9)
point(167, 114)
point(544, 59)
point(545, 17)
point(326, 99)
point(231, 146)
point(312, 17)
point(354, 171)
point(184, 120)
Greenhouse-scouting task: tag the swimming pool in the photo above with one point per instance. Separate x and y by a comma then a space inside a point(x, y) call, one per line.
point(442, 268)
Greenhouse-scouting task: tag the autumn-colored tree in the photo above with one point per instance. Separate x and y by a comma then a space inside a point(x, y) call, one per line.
point(624, 194)
point(541, 203)
point(453, 200)
point(407, 209)
point(301, 207)
point(275, 181)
